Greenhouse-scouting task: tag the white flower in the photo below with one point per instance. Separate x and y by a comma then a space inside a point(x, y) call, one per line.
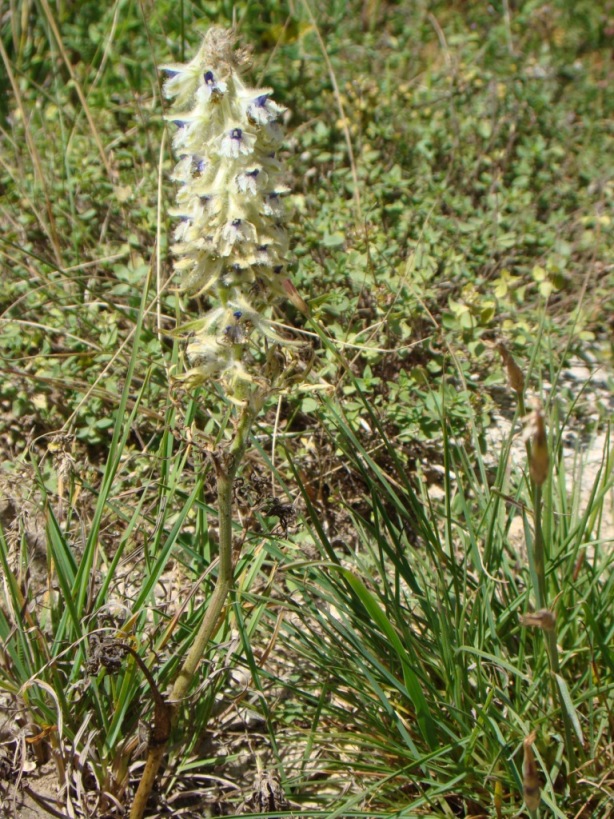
point(208, 356)
point(194, 215)
point(181, 82)
point(195, 130)
point(272, 205)
point(233, 233)
point(249, 181)
point(259, 107)
point(250, 314)
point(234, 333)
point(212, 89)
point(180, 231)
point(272, 134)
point(236, 142)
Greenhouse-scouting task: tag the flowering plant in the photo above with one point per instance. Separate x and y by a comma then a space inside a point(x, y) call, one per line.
point(230, 243)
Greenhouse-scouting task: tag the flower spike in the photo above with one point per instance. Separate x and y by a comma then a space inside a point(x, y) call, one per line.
point(230, 243)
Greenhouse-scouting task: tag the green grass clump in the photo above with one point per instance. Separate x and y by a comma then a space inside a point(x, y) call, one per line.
point(430, 682)
point(451, 187)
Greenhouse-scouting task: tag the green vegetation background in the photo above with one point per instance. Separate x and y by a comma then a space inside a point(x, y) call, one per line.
point(451, 167)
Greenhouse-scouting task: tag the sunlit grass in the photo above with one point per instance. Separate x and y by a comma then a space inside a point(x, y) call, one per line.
point(373, 656)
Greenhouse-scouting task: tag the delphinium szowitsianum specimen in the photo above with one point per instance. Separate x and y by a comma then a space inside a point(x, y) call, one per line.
point(230, 244)
point(230, 248)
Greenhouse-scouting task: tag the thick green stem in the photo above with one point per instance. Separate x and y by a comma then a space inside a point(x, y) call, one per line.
point(227, 463)
point(218, 598)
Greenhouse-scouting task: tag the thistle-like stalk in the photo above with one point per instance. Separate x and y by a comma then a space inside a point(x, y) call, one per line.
point(539, 470)
point(230, 247)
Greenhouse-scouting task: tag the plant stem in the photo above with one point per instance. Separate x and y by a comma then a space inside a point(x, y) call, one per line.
point(522, 411)
point(541, 601)
point(538, 550)
point(227, 463)
point(550, 636)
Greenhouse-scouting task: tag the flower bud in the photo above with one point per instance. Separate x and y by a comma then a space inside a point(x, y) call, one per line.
point(544, 619)
point(515, 377)
point(535, 433)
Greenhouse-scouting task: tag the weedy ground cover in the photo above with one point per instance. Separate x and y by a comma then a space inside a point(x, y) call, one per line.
point(383, 652)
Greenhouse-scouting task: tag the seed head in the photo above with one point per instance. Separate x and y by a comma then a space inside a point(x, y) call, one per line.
point(535, 433)
point(515, 377)
point(544, 619)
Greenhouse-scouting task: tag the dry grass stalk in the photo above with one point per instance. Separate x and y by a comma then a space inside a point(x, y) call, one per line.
point(530, 780)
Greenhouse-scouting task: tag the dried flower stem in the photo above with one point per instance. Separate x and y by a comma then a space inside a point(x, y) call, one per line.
point(530, 779)
point(539, 469)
